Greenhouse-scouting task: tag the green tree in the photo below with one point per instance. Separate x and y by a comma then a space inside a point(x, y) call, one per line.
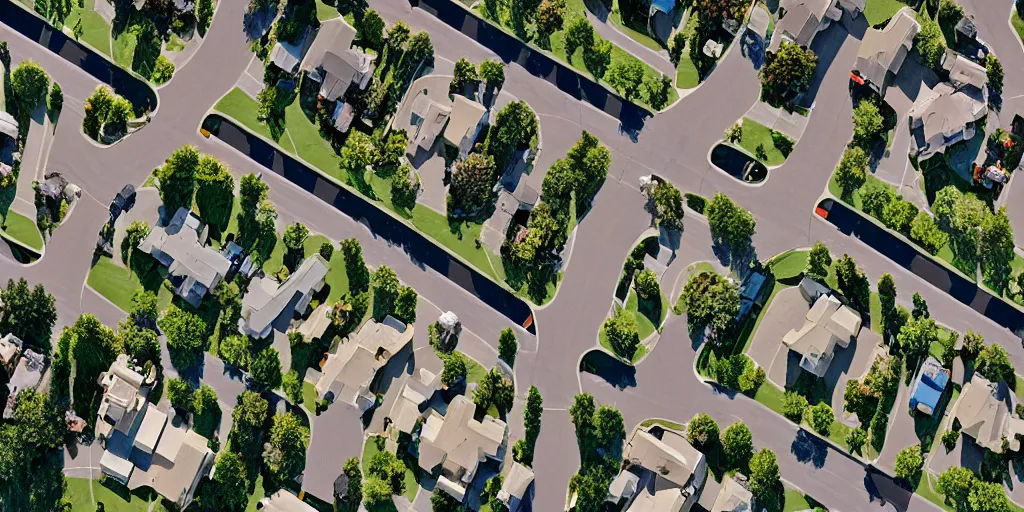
point(465, 74)
point(215, 192)
point(856, 438)
point(228, 489)
point(180, 394)
point(927, 234)
point(471, 190)
point(909, 462)
point(988, 497)
point(371, 29)
point(994, 364)
point(354, 473)
point(29, 314)
point(716, 10)
point(702, 431)
point(956, 484)
point(386, 466)
point(658, 89)
point(508, 346)
point(294, 236)
point(793, 406)
point(996, 250)
point(56, 100)
point(609, 428)
point(626, 76)
point(355, 268)
point(549, 19)
point(403, 190)
point(994, 70)
point(647, 286)
point(867, 123)
point(251, 193)
point(621, 332)
point(292, 386)
point(929, 42)
point(852, 282)
point(851, 172)
point(819, 261)
point(265, 367)
point(899, 214)
point(285, 453)
point(875, 197)
point(29, 82)
point(178, 178)
point(454, 368)
point(514, 126)
point(376, 492)
point(532, 419)
point(204, 15)
point(789, 71)
point(737, 444)
point(235, 350)
point(711, 301)
point(668, 204)
point(917, 335)
point(973, 344)
point(140, 344)
point(390, 153)
point(581, 413)
point(920, 307)
point(821, 418)
point(494, 389)
point(248, 419)
point(730, 224)
point(765, 479)
point(887, 294)
point(405, 304)
point(186, 336)
point(385, 291)
point(441, 501)
point(578, 34)
point(493, 72)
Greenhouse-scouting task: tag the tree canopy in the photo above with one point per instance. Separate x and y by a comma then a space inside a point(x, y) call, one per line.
point(711, 301)
point(29, 314)
point(730, 224)
point(285, 453)
point(789, 71)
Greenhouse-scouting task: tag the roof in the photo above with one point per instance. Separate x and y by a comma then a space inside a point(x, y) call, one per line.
point(459, 441)
point(10, 347)
point(516, 482)
point(8, 125)
point(347, 373)
point(267, 299)
point(826, 324)
point(664, 6)
point(342, 70)
point(929, 385)
point(671, 458)
point(985, 415)
point(334, 35)
point(123, 398)
point(405, 412)
point(432, 117)
point(945, 112)
point(963, 71)
point(465, 117)
point(284, 501)
point(287, 55)
point(801, 22)
point(732, 498)
point(152, 426)
point(177, 246)
point(883, 51)
point(317, 323)
point(116, 466)
point(663, 500)
point(175, 480)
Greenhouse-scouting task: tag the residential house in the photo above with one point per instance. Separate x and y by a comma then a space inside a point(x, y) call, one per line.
point(142, 448)
point(942, 117)
point(429, 118)
point(734, 496)
point(515, 488)
point(827, 324)
point(985, 414)
point(453, 445)
point(802, 19)
point(347, 373)
point(333, 35)
point(24, 372)
point(283, 501)
point(882, 52)
point(965, 74)
point(410, 406)
point(509, 204)
point(316, 325)
point(928, 386)
point(467, 118)
point(332, 63)
point(193, 268)
point(267, 299)
point(661, 472)
point(287, 56)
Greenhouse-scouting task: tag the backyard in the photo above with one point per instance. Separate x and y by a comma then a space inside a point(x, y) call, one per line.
point(878, 11)
point(87, 494)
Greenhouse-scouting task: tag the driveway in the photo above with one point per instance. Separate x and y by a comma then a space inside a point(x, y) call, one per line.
point(336, 436)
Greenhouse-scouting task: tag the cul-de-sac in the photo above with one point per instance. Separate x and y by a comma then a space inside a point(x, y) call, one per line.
point(511, 255)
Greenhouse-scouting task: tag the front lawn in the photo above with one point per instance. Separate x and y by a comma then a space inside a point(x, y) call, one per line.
point(1018, 23)
point(309, 397)
point(95, 29)
point(118, 283)
point(326, 12)
point(639, 34)
point(602, 339)
point(878, 11)
point(375, 444)
point(119, 500)
point(789, 264)
point(23, 229)
point(687, 76)
point(756, 134)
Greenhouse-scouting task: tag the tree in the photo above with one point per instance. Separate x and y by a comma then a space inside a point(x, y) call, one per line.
point(508, 345)
point(859, 399)
point(513, 127)
point(251, 193)
point(793, 406)
point(356, 154)
point(917, 335)
point(875, 197)
point(852, 282)
point(929, 42)
point(996, 249)
point(228, 489)
point(867, 123)
point(668, 204)
point(235, 350)
point(376, 492)
point(390, 152)
point(265, 367)
point(988, 497)
point(494, 389)
point(909, 462)
point(29, 82)
point(140, 344)
point(579, 34)
point(532, 418)
point(454, 368)
point(856, 438)
point(819, 261)
point(441, 501)
point(180, 394)
point(248, 418)
point(658, 91)
point(419, 49)
point(765, 479)
point(493, 72)
point(465, 74)
point(973, 344)
point(920, 307)
point(549, 19)
point(386, 466)
point(737, 444)
point(371, 29)
point(178, 178)
point(899, 214)
point(647, 286)
point(994, 364)
point(294, 237)
point(581, 413)
point(405, 304)
point(204, 15)
point(956, 484)
point(472, 184)
point(186, 336)
point(398, 35)
point(729, 223)
point(716, 10)
point(821, 418)
point(887, 295)
point(711, 300)
point(490, 493)
point(28, 314)
point(385, 291)
point(927, 234)
point(326, 251)
point(609, 428)
point(626, 76)
point(215, 192)
point(789, 71)
point(355, 267)
point(621, 332)
point(285, 453)
point(851, 172)
point(994, 70)
point(56, 100)
point(292, 386)
point(702, 431)
point(134, 234)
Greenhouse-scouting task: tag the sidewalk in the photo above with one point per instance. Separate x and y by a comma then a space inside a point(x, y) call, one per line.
point(33, 162)
point(791, 124)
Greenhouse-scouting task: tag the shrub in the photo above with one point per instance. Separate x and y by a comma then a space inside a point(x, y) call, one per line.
point(929, 42)
point(909, 462)
point(56, 99)
point(926, 233)
point(164, 68)
point(326, 250)
point(949, 439)
point(793, 406)
point(821, 418)
point(695, 202)
point(994, 69)
point(701, 431)
point(647, 286)
point(856, 438)
point(782, 143)
point(676, 47)
point(867, 123)
point(751, 379)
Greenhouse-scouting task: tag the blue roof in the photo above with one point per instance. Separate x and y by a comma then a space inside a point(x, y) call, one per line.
point(928, 389)
point(664, 6)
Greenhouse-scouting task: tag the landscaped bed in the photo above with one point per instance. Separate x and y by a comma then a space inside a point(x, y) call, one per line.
point(760, 141)
point(374, 445)
point(24, 230)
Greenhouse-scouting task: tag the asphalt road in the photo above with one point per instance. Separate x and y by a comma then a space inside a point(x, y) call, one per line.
point(673, 144)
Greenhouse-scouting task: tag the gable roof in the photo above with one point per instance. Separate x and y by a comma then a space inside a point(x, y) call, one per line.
point(432, 117)
point(348, 372)
point(334, 35)
point(457, 440)
point(883, 51)
point(341, 70)
point(985, 416)
point(733, 497)
point(671, 457)
point(465, 117)
point(827, 323)
point(801, 22)
point(177, 246)
point(267, 299)
point(964, 72)
point(945, 112)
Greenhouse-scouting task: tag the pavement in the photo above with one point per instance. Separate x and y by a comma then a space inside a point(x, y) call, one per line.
point(671, 144)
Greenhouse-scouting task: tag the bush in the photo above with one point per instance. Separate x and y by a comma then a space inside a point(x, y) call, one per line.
point(867, 123)
point(677, 46)
point(793, 406)
point(326, 250)
point(164, 68)
point(782, 143)
point(926, 233)
point(29, 82)
point(909, 462)
point(647, 286)
point(701, 431)
point(856, 438)
point(751, 379)
point(180, 394)
point(56, 99)
point(994, 69)
point(695, 202)
point(621, 333)
point(949, 439)
point(821, 418)
point(929, 42)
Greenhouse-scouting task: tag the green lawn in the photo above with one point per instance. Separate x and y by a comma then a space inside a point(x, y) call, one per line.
point(1018, 23)
point(602, 339)
point(651, 317)
point(789, 264)
point(118, 283)
point(642, 37)
point(687, 76)
point(276, 260)
point(878, 11)
point(664, 423)
point(309, 397)
point(796, 500)
point(82, 501)
point(237, 104)
point(257, 494)
point(326, 12)
point(692, 270)
point(23, 229)
point(927, 488)
point(474, 370)
point(95, 29)
point(370, 449)
point(755, 134)
point(124, 48)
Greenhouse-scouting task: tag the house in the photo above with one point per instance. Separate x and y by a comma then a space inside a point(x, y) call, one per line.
point(334, 35)
point(523, 199)
point(662, 472)
point(452, 446)
point(734, 496)
point(429, 118)
point(515, 486)
point(944, 116)
point(193, 268)
point(287, 56)
point(928, 387)
point(467, 118)
point(802, 19)
point(347, 373)
point(408, 408)
point(336, 72)
point(267, 299)
point(828, 323)
point(882, 52)
point(283, 501)
point(964, 73)
point(984, 413)
point(316, 325)
point(142, 447)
